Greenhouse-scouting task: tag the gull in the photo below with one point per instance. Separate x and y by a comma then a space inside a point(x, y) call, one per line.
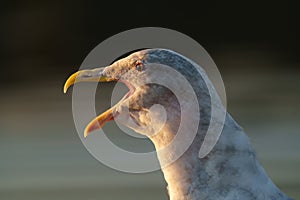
point(230, 171)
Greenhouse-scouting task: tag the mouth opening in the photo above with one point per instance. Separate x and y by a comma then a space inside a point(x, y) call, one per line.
point(130, 87)
point(110, 114)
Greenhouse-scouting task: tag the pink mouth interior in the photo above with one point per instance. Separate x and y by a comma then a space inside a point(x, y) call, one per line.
point(130, 87)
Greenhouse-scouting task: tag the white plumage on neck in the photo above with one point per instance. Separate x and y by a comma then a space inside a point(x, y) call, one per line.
point(230, 171)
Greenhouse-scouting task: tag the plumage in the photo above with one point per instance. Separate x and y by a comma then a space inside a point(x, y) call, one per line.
point(230, 171)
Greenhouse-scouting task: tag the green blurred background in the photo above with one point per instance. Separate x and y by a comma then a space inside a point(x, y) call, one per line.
point(255, 46)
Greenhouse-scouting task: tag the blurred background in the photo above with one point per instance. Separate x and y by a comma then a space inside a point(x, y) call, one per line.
point(255, 46)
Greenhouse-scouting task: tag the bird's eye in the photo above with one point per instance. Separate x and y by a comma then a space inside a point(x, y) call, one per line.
point(139, 66)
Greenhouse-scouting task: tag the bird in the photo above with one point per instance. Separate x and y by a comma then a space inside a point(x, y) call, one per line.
point(230, 171)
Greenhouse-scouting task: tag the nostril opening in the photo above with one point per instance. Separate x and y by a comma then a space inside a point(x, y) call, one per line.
point(86, 75)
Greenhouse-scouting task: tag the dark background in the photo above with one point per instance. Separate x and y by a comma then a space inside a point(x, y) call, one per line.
point(254, 44)
point(44, 36)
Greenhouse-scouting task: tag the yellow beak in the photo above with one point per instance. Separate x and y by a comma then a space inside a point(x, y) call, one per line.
point(71, 80)
point(92, 76)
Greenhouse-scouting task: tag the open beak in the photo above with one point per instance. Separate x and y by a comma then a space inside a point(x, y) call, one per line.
point(95, 75)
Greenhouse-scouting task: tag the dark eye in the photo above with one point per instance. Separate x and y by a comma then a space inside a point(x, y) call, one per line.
point(139, 66)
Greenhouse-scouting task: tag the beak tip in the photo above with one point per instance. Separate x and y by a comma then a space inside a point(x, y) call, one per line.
point(66, 86)
point(66, 89)
point(85, 134)
point(88, 129)
point(70, 81)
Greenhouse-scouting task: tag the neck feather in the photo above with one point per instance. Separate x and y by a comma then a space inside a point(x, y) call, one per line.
point(230, 170)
